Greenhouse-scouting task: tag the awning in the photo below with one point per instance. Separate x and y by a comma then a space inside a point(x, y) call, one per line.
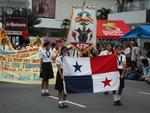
point(141, 31)
point(111, 29)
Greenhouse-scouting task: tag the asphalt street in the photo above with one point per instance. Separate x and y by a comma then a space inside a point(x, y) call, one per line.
point(20, 98)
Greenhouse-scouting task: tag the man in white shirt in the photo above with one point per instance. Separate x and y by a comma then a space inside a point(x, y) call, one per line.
point(135, 56)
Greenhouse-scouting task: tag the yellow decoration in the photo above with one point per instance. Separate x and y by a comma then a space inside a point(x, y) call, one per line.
point(5, 39)
point(109, 25)
point(36, 42)
point(87, 50)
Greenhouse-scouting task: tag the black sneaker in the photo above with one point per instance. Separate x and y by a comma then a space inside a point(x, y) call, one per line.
point(106, 92)
point(61, 105)
point(47, 94)
point(43, 94)
point(119, 102)
point(65, 106)
point(115, 103)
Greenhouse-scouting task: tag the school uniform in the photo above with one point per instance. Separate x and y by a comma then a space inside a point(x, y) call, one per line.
point(59, 81)
point(120, 60)
point(103, 53)
point(47, 70)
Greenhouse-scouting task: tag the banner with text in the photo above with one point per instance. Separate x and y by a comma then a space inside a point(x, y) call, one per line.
point(22, 67)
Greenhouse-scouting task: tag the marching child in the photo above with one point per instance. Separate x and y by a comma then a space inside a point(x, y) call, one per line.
point(121, 59)
point(109, 50)
point(59, 78)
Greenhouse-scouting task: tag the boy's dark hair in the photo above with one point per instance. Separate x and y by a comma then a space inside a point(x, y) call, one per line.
point(53, 44)
point(46, 44)
point(63, 48)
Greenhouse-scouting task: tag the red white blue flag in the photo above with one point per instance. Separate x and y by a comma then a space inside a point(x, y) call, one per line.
point(91, 75)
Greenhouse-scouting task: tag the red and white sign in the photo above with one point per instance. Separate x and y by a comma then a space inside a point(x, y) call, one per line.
point(111, 29)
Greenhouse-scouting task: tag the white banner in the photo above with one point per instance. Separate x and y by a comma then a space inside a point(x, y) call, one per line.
point(83, 25)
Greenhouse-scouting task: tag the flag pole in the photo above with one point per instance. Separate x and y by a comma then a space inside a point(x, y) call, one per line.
point(64, 85)
point(84, 2)
point(83, 6)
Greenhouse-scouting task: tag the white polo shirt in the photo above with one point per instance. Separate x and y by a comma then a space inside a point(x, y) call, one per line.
point(103, 53)
point(59, 61)
point(46, 56)
point(121, 59)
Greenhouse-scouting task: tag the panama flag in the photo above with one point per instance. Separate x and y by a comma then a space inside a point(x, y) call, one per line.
point(91, 75)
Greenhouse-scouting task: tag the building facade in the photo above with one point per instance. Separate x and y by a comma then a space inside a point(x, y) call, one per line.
point(133, 13)
point(63, 9)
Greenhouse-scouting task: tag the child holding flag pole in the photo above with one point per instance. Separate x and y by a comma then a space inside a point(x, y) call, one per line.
point(109, 50)
point(60, 84)
point(121, 59)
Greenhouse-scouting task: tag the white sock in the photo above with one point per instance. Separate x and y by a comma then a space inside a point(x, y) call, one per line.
point(115, 97)
point(43, 91)
point(46, 90)
point(64, 101)
point(60, 102)
point(119, 97)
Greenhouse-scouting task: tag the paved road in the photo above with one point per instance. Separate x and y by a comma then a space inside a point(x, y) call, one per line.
point(18, 98)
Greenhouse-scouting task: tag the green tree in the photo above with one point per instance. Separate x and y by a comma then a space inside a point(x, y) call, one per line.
point(102, 14)
point(32, 18)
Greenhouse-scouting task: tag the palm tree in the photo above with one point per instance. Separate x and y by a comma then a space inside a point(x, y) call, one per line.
point(32, 17)
point(65, 27)
point(102, 14)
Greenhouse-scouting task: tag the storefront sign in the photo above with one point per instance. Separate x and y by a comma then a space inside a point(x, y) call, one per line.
point(15, 26)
